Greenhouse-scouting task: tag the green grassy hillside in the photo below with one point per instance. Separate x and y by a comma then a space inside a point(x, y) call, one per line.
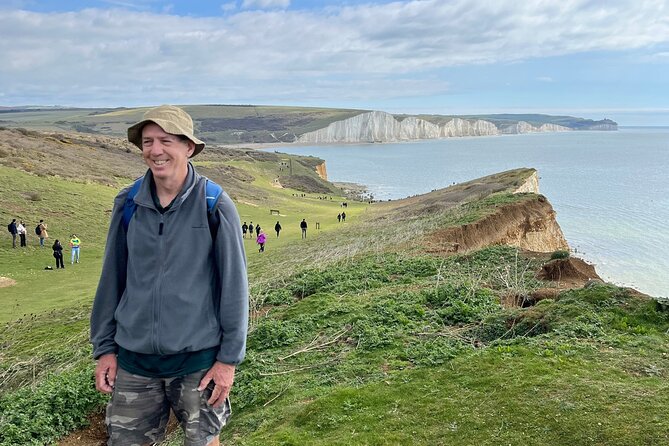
point(358, 334)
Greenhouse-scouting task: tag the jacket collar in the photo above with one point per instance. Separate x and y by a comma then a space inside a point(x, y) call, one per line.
point(143, 197)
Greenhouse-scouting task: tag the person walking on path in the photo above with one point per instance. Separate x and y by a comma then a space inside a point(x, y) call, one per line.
point(303, 226)
point(40, 230)
point(260, 240)
point(257, 230)
point(75, 243)
point(21, 229)
point(251, 229)
point(58, 254)
point(14, 231)
point(339, 218)
point(343, 216)
point(277, 228)
point(245, 228)
point(169, 329)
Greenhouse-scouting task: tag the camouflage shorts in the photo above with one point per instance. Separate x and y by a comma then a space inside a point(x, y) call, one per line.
point(138, 412)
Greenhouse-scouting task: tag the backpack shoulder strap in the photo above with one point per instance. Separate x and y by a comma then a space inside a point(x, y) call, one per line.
point(213, 193)
point(130, 206)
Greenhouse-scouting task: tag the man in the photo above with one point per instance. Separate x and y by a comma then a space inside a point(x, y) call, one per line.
point(13, 230)
point(75, 243)
point(303, 226)
point(170, 316)
point(277, 228)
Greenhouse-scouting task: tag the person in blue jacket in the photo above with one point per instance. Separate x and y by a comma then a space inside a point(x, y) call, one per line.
point(170, 315)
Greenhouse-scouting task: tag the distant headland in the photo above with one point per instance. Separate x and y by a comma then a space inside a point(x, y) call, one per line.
point(246, 124)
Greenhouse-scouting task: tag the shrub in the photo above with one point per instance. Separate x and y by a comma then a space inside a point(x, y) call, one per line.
point(62, 403)
point(560, 255)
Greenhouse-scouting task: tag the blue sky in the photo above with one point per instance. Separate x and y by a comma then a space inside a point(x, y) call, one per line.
point(580, 57)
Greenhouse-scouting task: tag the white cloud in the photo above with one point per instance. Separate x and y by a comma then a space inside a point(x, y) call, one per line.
point(545, 79)
point(230, 6)
point(264, 4)
point(122, 57)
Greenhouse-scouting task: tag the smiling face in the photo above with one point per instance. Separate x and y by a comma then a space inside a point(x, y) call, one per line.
point(166, 154)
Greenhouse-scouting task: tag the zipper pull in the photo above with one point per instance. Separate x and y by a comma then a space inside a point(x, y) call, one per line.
point(160, 229)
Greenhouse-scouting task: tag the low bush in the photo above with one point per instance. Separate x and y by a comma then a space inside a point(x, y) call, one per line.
point(560, 255)
point(40, 415)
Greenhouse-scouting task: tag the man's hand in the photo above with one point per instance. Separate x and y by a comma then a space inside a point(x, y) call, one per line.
point(105, 373)
point(223, 376)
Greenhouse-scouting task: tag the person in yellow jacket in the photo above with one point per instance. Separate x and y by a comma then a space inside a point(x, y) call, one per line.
point(74, 248)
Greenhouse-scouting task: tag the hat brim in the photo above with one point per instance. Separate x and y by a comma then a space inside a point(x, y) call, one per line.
point(135, 133)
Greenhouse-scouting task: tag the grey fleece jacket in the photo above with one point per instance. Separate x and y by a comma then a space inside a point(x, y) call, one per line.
point(166, 287)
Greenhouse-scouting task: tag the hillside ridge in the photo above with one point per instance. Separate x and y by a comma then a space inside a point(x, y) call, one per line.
point(244, 124)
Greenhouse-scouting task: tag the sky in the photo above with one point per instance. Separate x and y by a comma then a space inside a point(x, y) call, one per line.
point(589, 58)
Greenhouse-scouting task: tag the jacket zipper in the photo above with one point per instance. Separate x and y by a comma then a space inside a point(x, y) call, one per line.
point(157, 301)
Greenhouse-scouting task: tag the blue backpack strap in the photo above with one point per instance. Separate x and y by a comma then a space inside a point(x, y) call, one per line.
point(130, 206)
point(213, 192)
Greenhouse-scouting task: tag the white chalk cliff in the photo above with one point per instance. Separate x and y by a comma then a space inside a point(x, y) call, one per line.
point(377, 126)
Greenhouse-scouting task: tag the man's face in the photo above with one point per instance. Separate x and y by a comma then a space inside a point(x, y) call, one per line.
point(165, 154)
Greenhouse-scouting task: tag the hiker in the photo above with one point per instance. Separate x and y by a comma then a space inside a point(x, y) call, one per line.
point(21, 229)
point(257, 230)
point(277, 228)
point(339, 218)
point(251, 229)
point(343, 216)
point(245, 228)
point(168, 329)
point(260, 240)
point(58, 254)
point(303, 226)
point(14, 231)
point(40, 230)
point(75, 243)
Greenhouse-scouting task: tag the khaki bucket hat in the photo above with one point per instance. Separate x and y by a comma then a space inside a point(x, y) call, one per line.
point(172, 120)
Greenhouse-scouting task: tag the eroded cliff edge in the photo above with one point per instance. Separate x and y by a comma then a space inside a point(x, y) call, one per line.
point(527, 220)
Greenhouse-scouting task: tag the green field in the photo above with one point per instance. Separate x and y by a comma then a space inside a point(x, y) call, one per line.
point(359, 335)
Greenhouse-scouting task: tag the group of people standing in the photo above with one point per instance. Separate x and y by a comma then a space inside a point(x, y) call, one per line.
point(19, 229)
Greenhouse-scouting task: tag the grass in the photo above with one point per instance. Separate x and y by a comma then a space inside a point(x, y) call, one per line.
point(357, 336)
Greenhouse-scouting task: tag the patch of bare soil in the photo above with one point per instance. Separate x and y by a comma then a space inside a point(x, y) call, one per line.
point(96, 433)
point(93, 435)
point(6, 281)
point(568, 273)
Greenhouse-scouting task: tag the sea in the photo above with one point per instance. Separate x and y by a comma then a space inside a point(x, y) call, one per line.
point(609, 188)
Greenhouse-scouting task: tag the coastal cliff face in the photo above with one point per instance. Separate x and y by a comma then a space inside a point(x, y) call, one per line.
point(531, 185)
point(529, 225)
point(526, 127)
point(379, 126)
point(322, 171)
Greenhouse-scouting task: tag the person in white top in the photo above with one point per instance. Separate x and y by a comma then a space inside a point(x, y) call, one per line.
point(21, 230)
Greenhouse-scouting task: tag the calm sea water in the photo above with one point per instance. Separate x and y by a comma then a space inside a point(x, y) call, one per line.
point(609, 189)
